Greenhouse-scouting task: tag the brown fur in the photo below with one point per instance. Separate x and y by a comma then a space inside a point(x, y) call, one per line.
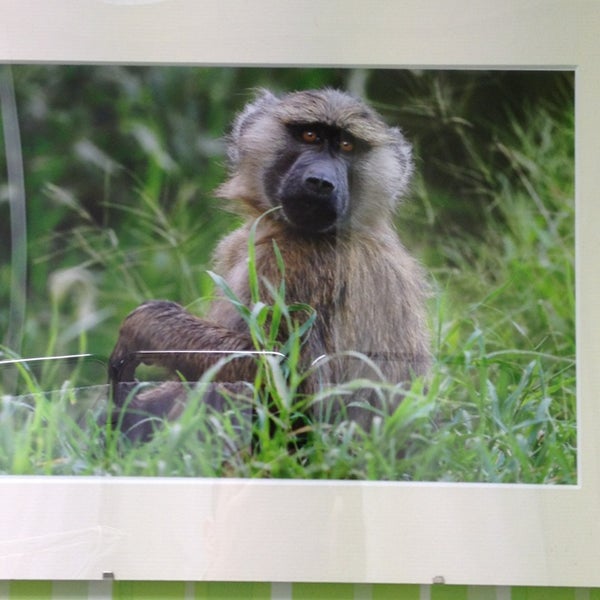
point(367, 291)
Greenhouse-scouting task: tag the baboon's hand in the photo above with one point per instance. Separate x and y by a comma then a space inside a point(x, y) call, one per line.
point(145, 328)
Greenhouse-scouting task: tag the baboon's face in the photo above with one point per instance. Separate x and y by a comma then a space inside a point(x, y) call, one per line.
point(325, 158)
point(311, 180)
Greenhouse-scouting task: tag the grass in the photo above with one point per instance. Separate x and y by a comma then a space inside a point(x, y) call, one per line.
point(498, 406)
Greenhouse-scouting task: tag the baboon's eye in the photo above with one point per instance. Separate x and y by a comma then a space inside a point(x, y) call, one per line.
point(310, 136)
point(346, 145)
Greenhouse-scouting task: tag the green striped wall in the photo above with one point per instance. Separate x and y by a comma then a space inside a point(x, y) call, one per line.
point(128, 590)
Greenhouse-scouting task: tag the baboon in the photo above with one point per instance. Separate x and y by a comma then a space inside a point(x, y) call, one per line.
point(334, 172)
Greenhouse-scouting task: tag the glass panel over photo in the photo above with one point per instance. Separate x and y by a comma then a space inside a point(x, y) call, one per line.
point(288, 273)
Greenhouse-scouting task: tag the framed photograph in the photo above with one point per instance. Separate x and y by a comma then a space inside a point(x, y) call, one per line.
point(117, 127)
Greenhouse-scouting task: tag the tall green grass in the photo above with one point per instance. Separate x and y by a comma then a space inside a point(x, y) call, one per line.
point(498, 406)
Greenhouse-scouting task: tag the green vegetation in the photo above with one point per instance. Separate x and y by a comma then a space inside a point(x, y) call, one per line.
point(119, 167)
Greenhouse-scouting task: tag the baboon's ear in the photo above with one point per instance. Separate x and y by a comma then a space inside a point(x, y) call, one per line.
point(403, 151)
point(401, 145)
point(263, 101)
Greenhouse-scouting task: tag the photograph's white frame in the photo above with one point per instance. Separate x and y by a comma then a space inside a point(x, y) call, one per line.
point(193, 529)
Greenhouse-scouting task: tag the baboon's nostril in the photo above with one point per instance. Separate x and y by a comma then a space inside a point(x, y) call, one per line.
point(319, 184)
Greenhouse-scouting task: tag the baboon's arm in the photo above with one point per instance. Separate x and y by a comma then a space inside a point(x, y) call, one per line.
point(162, 327)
